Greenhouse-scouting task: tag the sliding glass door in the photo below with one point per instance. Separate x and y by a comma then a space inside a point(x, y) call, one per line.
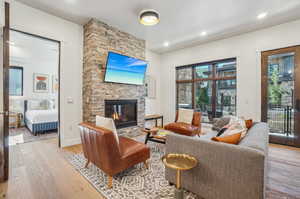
point(208, 87)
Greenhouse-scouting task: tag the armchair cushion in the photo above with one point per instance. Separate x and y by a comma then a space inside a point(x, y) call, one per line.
point(109, 124)
point(133, 152)
point(185, 115)
point(183, 128)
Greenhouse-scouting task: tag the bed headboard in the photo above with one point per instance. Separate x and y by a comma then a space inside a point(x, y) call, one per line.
point(38, 104)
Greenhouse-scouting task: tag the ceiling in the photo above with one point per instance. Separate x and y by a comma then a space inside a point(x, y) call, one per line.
point(28, 49)
point(182, 21)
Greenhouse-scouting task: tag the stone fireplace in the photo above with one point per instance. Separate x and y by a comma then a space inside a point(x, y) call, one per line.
point(99, 39)
point(124, 112)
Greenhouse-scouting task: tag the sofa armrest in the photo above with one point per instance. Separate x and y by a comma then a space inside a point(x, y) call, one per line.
point(223, 171)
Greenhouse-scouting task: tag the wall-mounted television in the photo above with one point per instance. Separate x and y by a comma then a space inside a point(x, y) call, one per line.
point(124, 69)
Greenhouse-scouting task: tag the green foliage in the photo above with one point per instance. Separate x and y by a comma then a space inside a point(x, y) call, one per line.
point(275, 90)
point(202, 99)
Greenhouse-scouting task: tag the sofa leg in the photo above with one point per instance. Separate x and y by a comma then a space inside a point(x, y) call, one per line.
point(87, 164)
point(146, 164)
point(110, 179)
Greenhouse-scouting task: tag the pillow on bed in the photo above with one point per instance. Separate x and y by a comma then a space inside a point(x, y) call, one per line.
point(34, 105)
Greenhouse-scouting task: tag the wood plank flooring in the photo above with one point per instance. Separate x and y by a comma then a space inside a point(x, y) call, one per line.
point(38, 170)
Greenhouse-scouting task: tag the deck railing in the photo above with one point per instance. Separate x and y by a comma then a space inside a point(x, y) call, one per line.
point(281, 119)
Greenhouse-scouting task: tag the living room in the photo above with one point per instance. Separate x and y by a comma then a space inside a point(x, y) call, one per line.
point(192, 105)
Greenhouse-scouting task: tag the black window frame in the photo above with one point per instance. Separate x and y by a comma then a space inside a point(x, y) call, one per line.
point(22, 80)
point(214, 78)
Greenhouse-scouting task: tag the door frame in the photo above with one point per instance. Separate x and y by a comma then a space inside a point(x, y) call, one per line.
point(59, 71)
point(4, 137)
point(264, 93)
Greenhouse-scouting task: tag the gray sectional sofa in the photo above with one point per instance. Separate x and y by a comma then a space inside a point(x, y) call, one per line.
point(224, 171)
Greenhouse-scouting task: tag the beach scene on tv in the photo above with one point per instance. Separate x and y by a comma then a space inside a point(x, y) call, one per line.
point(124, 69)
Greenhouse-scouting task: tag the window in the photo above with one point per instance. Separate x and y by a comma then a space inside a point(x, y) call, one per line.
point(208, 87)
point(15, 81)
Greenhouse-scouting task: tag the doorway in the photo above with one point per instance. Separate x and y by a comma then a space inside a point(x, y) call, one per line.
point(33, 88)
point(280, 100)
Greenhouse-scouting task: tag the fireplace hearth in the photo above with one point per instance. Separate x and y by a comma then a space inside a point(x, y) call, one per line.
point(124, 112)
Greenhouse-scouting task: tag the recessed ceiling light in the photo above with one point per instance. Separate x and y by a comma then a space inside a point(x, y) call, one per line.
point(149, 17)
point(262, 15)
point(166, 44)
point(203, 33)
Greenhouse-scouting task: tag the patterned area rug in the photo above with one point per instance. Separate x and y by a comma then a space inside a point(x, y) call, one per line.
point(135, 183)
point(140, 183)
point(23, 135)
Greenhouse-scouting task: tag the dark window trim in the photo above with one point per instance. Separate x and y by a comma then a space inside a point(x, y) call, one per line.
point(214, 78)
point(19, 68)
point(206, 63)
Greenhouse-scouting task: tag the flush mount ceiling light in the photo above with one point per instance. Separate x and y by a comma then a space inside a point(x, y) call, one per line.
point(262, 15)
point(149, 17)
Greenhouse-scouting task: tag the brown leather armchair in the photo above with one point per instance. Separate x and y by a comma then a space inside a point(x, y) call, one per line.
point(102, 149)
point(184, 128)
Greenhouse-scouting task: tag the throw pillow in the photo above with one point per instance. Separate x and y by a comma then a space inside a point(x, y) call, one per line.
point(229, 139)
point(220, 123)
point(235, 128)
point(185, 115)
point(109, 124)
point(249, 123)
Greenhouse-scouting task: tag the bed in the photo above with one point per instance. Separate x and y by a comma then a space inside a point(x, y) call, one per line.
point(40, 116)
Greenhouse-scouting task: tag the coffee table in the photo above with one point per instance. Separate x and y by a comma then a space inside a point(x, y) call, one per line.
point(179, 162)
point(157, 135)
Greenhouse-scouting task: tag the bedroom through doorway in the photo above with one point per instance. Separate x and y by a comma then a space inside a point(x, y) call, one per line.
point(33, 88)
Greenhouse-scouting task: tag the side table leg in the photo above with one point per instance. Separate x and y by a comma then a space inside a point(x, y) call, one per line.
point(147, 137)
point(178, 179)
point(178, 190)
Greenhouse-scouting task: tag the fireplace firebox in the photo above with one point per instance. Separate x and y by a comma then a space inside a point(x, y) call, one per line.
point(124, 112)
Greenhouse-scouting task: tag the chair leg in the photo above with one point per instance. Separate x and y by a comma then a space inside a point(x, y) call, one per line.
point(110, 179)
point(87, 164)
point(146, 164)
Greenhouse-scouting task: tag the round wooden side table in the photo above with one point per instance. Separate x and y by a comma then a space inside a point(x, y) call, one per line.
point(179, 162)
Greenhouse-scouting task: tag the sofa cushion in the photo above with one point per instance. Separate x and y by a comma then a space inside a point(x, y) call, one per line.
point(185, 115)
point(256, 137)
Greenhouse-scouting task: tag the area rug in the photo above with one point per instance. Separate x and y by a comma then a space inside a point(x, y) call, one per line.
point(23, 135)
point(140, 183)
point(135, 183)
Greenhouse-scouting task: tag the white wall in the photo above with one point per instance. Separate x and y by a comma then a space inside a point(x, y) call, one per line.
point(33, 21)
point(2, 14)
point(153, 106)
point(246, 48)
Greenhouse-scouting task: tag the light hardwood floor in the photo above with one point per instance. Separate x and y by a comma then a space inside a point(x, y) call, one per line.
point(38, 170)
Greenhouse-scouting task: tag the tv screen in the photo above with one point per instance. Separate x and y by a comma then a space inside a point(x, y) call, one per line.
point(124, 69)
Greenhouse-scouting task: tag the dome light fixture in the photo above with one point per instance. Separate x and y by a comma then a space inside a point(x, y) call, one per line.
point(149, 17)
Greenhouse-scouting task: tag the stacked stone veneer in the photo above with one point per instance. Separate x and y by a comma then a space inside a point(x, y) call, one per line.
point(99, 39)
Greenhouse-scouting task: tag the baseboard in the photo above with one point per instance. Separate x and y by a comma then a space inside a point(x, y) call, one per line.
point(70, 142)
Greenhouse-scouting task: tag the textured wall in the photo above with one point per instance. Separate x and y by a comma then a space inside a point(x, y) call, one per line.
point(99, 39)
